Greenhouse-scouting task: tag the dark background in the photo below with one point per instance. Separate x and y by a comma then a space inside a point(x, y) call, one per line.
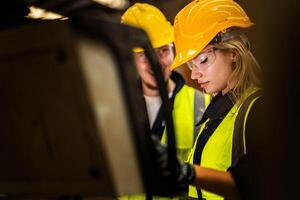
point(275, 43)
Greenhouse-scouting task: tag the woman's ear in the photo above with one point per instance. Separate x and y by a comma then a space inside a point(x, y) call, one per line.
point(233, 55)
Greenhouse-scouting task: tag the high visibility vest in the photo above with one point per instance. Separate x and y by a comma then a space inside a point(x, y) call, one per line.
point(184, 117)
point(189, 107)
point(227, 143)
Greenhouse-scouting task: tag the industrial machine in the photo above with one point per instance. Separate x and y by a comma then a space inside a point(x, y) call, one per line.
point(73, 119)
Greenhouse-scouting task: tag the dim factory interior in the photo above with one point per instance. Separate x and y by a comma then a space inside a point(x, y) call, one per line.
point(75, 119)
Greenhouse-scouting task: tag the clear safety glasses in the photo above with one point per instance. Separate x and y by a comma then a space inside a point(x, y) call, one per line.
point(203, 60)
point(161, 52)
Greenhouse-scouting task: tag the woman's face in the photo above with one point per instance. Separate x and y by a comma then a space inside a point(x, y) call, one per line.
point(212, 68)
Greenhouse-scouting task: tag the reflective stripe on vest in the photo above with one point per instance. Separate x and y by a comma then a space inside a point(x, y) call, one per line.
point(229, 135)
point(184, 119)
point(199, 103)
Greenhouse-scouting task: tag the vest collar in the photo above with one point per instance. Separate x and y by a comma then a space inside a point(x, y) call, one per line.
point(218, 107)
point(179, 81)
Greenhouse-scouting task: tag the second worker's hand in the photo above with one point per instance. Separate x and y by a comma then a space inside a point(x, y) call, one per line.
point(170, 182)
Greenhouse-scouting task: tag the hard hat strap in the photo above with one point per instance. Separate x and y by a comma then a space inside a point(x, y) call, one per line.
point(227, 34)
point(230, 34)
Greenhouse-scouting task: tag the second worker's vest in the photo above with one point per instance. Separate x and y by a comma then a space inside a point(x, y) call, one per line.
point(185, 117)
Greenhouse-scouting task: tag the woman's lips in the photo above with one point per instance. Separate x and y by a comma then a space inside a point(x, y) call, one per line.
point(203, 84)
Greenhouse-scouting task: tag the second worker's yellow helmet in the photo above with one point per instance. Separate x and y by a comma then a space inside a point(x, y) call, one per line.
point(152, 21)
point(197, 24)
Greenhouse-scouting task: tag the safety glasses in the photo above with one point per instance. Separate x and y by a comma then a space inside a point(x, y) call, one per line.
point(203, 60)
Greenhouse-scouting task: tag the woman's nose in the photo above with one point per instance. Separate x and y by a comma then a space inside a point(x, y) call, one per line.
point(195, 74)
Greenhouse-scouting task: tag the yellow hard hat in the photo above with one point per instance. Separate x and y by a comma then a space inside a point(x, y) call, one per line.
point(197, 24)
point(152, 21)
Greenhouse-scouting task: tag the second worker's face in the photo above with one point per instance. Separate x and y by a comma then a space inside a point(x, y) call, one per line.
point(165, 55)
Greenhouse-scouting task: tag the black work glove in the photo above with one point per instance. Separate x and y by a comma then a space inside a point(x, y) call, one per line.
point(170, 182)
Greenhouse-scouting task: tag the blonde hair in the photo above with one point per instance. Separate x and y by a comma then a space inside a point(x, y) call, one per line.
point(246, 70)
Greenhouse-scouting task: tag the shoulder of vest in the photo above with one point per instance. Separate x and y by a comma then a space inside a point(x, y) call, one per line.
point(239, 143)
point(186, 90)
point(186, 87)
